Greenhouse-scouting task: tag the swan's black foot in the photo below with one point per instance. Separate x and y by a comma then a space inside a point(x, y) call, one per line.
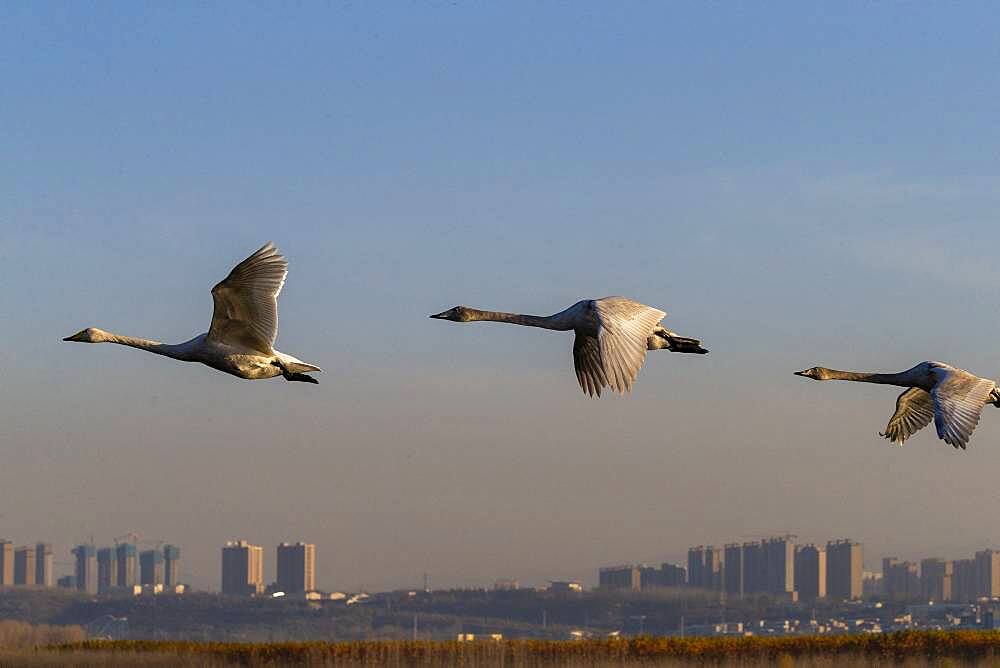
point(288, 375)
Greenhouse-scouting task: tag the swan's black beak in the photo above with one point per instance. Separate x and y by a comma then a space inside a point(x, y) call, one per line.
point(801, 373)
point(76, 337)
point(440, 316)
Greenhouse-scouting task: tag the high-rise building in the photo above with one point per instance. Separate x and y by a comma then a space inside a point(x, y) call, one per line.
point(712, 575)
point(242, 569)
point(171, 565)
point(964, 581)
point(43, 565)
point(650, 577)
point(871, 585)
point(85, 568)
point(105, 569)
point(936, 577)
point(779, 555)
point(610, 577)
point(733, 573)
point(297, 567)
point(672, 575)
point(810, 572)
point(754, 568)
point(988, 573)
point(696, 567)
point(6, 563)
point(24, 566)
point(151, 567)
point(900, 579)
point(126, 566)
point(844, 567)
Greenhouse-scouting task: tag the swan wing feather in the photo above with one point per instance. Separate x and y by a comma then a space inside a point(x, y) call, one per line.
point(246, 302)
point(587, 361)
point(914, 411)
point(623, 327)
point(959, 398)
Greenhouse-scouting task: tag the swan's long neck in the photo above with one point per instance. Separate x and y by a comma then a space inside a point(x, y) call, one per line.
point(904, 379)
point(557, 321)
point(177, 352)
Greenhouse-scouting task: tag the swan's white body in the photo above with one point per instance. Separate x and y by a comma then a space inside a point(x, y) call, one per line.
point(612, 337)
point(953, 398)
point(244, 325)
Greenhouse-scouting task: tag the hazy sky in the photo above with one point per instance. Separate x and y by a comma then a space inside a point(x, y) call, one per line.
point(794, 184)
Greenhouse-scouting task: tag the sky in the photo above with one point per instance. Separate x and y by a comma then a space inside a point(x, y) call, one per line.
point(795, 184)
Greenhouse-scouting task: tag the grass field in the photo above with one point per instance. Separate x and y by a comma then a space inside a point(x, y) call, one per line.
point(917, 649)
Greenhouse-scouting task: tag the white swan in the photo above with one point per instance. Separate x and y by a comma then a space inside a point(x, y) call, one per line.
point(953, 398)
point(612, 336)
point(244, 325)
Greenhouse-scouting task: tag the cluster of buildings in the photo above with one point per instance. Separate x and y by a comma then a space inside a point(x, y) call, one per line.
point(25, 566)
point(641, 577)
point(243, 569)
point(774, 566)
point(124, 568)
point(779, 567)
point(940, 580)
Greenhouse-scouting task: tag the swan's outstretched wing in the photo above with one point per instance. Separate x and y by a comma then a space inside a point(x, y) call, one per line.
point(623, 327)
point(959, 398)
point(246, 302)
point(914, 411)
point(587, 360)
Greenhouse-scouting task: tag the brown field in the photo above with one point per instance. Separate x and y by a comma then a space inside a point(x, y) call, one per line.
point(917, 649)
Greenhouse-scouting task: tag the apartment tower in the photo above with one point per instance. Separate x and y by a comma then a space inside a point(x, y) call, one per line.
point(85, 568)
point(810, 572)
point(844, 567)
point(105, 569)
point(171, 565)
point(296, 567)
point(151, 567)
point(24, 566)
point(126, 566)
point(43, 565)
point(242, 569)
point(6, 563)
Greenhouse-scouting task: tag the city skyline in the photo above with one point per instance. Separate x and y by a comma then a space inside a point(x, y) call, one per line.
point(793, 183)
point(125, 567)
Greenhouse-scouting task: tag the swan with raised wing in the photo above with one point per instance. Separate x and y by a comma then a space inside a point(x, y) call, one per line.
point(952, 398)
point(240, 340)
point(612, 337)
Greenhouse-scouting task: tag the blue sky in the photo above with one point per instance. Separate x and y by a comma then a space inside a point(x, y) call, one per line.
point(794, 184)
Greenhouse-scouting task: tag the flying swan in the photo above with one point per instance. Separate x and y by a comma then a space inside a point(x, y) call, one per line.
point(244, 325)
point(612, 337)
point(953, 398)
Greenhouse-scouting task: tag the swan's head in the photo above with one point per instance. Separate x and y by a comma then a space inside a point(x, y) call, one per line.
point(457, 314)
point(89, 335)
point(816, 373)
